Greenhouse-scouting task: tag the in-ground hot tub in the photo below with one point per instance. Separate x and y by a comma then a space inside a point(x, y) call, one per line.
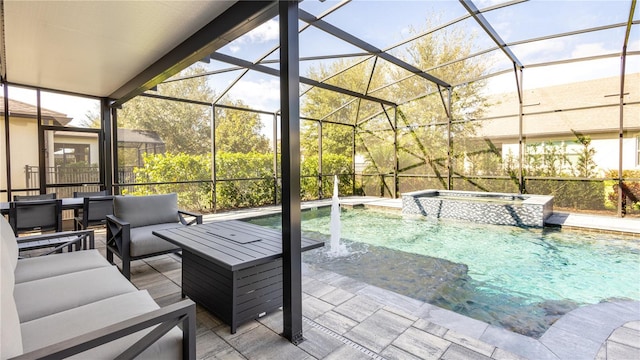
point(481, 207)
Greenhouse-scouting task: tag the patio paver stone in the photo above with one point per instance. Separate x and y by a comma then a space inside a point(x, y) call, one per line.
point(421, 344)
point(378, 330)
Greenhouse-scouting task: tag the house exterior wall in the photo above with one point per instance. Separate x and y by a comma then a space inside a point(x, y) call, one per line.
point(25, 131)
point(606, 157)
point(22, 131)
point(557, 113)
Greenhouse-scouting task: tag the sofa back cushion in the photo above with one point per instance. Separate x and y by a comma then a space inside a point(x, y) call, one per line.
point(9, 244)
point(147, 210)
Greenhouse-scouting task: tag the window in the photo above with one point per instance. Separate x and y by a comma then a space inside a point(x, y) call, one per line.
point(67, 154)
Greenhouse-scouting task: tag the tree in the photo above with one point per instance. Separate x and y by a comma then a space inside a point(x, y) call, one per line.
point(424, 114)
point(338, 108)
point(421, 119)
point(239, 131)
point(184, 128)
point(91, 119)
point(586, 165)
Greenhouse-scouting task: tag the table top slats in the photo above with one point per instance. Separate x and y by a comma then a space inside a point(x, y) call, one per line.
point(208, 246)
point(203, 241)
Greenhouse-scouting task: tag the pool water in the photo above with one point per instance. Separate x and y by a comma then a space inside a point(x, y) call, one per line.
point(521, 279)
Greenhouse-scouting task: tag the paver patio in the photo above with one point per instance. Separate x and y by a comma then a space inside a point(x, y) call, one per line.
point(347, 319)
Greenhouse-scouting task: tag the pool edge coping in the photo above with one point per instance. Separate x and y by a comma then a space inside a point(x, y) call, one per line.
point(517, 341)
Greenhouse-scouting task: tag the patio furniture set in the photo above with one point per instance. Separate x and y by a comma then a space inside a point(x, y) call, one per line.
point(232, 268)
point(77, 303)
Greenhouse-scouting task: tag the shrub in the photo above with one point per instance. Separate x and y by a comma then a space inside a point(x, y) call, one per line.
point(629, 188)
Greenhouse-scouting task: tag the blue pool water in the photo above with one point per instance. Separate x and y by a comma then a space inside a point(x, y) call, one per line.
point(522, 279)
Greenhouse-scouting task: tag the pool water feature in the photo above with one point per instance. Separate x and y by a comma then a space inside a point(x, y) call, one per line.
point(522, 279)
point(481, 207)
point(336, 248)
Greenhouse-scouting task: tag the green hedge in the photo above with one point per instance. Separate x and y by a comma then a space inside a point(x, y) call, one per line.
point(244, 179)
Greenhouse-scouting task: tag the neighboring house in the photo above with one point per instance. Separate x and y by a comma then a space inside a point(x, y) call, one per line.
point(65, 149)
point(140, 142)
point(552, 115)
point(23, 129)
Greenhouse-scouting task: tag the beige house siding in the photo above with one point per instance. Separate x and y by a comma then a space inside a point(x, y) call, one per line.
point(589, 108)
point(22, 131)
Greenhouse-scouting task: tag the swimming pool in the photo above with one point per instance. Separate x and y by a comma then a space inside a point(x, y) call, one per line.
point(521, 279)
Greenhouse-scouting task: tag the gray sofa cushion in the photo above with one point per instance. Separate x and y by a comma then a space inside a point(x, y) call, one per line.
point(39, 298)
point(147, 210)
point(10, 336)
point(9, 244)
point(78, 321)
point(143, 242)
point(35, 268)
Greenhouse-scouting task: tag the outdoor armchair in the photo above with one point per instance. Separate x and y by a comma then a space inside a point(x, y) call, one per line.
point(129, 229)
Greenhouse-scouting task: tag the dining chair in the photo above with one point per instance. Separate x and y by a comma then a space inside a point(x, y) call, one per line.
point(84, 194)
point(34, 197)
point(35, 215)
point(79, 194)
point(94, 211)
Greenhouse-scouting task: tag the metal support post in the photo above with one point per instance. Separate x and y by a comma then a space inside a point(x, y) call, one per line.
point(106, 152)
point(7, 140)
point(275, 158)
point(214, 184)
point(320, 190)
point(291, 233)
point(621, 196)
point(42, 147)
point(449, 140)
point(521, 184)
point(396, 164)
point(115, 174)
point(353, 162)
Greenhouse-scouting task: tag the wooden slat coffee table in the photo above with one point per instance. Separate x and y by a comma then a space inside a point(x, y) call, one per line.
point(232, 268)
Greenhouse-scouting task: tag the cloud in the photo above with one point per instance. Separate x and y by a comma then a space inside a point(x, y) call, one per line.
point(503, 28)
point(560, 74)
point(480, 4)
point(540, 51)
point(259, 95)
point(266, 32)
point(584, 50)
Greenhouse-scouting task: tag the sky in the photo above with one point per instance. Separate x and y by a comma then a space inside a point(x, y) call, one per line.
point(384, 24)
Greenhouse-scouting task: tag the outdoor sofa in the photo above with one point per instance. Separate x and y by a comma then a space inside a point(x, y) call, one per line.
point(77, 303)
point(129, 229)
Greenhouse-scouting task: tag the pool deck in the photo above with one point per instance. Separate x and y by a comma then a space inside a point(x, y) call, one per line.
point(347, 319)
point(605, 224)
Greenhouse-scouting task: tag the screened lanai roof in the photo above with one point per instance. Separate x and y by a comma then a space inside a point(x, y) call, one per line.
point(119, 49)
point(373, 44)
